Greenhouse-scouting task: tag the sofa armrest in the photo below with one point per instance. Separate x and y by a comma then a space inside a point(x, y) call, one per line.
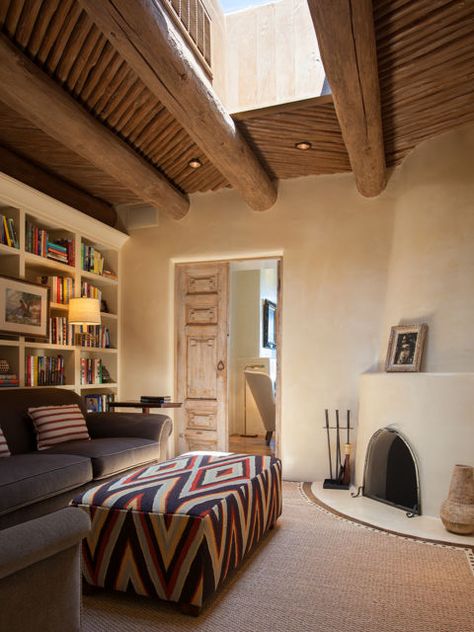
point(154, 427)
point(30, 542)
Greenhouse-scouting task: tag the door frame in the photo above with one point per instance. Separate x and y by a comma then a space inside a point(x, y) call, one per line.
point(279, 257)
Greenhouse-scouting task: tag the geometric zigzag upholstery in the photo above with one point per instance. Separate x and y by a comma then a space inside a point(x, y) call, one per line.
point(175, 530)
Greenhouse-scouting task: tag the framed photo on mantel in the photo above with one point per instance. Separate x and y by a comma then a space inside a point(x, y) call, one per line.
point(24, 308)
point(405, 347)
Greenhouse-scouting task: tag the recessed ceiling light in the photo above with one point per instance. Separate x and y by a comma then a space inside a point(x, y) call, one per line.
point(195, 163)
point(303, 145)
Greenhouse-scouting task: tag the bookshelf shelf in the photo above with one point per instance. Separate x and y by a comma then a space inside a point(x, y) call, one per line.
point(48, 346)
point(27, 207)
point(98, 350)
point(50, 264)
point(9, 343)
point(8, 250)
point(88, 387)
point(98, 279)
point(58, 306)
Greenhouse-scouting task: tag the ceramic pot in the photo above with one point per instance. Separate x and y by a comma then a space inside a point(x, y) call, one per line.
point(457, 511)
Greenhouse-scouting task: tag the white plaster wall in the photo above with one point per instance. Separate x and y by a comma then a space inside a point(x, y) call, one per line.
point(345, 263)
point(272, 55)
point(434, 411)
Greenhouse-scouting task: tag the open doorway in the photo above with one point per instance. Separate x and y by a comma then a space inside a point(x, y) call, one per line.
point(253, 355)
point(227, 342)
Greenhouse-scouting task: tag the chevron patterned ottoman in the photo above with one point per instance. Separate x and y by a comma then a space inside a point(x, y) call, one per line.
point(175, 530)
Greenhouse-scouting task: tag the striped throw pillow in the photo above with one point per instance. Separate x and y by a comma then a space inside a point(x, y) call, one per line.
point(58, 424)
point(4, 450)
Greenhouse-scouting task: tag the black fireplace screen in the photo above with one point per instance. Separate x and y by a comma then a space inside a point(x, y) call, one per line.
point(391, 474)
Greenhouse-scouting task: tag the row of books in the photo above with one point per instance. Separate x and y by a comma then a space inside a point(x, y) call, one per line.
point(90, 291)
point(93, 336)
point(60, 332)
point(91, 371)
point(8, 380)
point(39, 243)
point(61, 288)
point(92, 259)
point(98, 402)
point(45, 370)
point(8, 234)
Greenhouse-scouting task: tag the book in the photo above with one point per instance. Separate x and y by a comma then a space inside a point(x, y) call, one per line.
point(155, 399)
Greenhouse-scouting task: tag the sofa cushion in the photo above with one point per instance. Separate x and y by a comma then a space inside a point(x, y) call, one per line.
point(16, 424)
point(111, 456)
point(29, 478)
point(57, 424)
point(4, 450)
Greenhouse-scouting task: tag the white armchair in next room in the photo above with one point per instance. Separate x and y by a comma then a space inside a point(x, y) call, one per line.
point(261, 386)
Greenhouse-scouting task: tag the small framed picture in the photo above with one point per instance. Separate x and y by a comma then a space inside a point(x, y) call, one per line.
point(24, 308)
point(405, 347)
point(269, 331)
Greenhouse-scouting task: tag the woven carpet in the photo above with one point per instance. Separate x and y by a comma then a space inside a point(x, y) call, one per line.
point(316, 572)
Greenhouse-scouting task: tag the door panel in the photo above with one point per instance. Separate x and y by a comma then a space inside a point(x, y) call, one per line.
point(201, 369)
point(201, 362)
point(201, 416)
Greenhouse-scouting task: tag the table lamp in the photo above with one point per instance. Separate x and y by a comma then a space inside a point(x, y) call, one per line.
point(84, 311)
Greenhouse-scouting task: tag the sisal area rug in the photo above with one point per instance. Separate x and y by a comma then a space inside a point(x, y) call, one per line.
point(316, 572)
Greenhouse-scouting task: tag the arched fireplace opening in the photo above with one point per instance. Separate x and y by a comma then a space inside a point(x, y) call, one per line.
point(391, 472)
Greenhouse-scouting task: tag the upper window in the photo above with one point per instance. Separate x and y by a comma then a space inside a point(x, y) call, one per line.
point(196, 24)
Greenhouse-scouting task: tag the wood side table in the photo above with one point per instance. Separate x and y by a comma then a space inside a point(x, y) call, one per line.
point(145, 407)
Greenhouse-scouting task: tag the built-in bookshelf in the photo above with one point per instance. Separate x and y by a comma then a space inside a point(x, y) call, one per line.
point(47, 242)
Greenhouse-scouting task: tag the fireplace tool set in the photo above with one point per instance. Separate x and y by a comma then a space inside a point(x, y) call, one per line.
point(342, 473)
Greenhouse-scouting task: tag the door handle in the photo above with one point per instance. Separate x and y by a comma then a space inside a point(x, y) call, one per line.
point(220, 366)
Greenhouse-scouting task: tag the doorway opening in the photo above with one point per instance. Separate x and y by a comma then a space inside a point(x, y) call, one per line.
point(227, 319)
point(253, 355)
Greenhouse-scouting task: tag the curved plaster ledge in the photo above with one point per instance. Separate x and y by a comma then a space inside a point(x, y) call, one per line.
point(435, 413)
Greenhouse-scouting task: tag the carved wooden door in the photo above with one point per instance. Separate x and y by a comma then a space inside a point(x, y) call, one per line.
point(201, 369)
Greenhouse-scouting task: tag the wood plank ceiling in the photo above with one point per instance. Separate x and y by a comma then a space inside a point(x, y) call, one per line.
point(425, 53)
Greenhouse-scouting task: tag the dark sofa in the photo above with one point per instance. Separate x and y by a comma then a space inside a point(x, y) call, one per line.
point(33, 483)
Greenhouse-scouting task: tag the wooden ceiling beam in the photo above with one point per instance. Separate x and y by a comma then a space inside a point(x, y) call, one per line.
point(29, 91)
point(146, 38)
point(346, 38)
point(25, 171)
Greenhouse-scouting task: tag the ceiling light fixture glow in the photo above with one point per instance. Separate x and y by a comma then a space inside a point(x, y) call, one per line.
point(195, 163)
point(303, 145)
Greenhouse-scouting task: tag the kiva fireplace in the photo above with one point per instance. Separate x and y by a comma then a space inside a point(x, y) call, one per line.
point(391, 472)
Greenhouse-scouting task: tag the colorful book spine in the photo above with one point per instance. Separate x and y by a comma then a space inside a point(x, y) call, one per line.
point(45, 370)
point(93, 336)
point(98, 402)
point(92, 259)
point(61, 288)
point(91, 371)
point(60, 332)
point(90, 291)
point(8, 234)
point(39, 243)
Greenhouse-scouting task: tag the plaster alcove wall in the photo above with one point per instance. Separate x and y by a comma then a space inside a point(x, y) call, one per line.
point(352, 267)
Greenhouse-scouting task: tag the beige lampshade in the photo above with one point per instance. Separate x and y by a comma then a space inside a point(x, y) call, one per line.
point(84, 311)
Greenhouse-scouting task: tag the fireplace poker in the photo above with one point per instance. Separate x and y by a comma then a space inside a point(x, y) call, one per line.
point(329, 442)
point(346, 468)
point(339, 472)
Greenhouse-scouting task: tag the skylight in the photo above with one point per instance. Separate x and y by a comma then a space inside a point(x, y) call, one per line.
point(229, 6)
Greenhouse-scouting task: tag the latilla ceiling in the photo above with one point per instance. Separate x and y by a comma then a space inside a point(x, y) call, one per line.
point(425, 63)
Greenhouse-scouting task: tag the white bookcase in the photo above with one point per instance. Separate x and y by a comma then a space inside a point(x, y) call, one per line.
point(23, 204)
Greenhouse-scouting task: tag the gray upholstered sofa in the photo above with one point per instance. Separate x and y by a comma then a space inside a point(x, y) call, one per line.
point(40, 578)
point(33, 483)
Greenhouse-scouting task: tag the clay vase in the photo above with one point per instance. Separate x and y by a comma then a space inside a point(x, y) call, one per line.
point(457, 511)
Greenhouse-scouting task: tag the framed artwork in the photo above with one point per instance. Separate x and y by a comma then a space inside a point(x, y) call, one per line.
point(24, 308)
point(405, 347)
point(269, 333)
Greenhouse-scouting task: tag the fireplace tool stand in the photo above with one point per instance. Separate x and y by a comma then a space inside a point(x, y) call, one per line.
point(341, 478)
